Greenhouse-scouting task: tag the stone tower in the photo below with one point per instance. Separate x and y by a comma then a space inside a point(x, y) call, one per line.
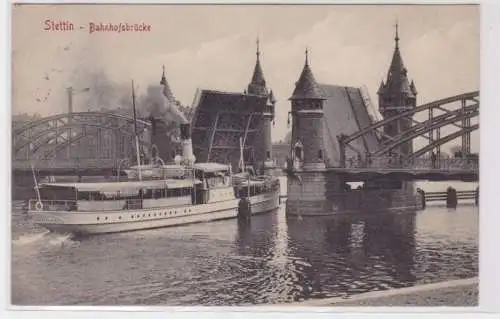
point(307, 122)
point(397, 95)
point(257, 86)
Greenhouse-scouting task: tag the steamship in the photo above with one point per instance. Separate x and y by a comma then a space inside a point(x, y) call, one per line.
point(155, 195)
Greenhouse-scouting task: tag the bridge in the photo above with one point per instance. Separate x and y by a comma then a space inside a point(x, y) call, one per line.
point(97, 143)
point(425, 163)
point(93, 142)
point(430, 129)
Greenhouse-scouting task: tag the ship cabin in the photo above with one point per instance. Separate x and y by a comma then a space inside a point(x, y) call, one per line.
point(213, 175)
point(207, 182)
point(217, 183)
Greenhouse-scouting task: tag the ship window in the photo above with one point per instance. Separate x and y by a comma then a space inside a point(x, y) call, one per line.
point(106, 218)
point(97, 218)
point(176, 192)
point(84, 195)
point(159, 193)
point(148, 193)
point(119, 217)
point(132, 216)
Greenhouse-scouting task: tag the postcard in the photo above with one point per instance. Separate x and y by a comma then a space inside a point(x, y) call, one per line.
point(245, 155)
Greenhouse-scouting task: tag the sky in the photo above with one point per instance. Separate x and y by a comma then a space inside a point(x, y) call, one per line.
point(213, 47)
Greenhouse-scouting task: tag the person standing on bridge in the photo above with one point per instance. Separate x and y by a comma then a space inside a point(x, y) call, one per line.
point(433, 159)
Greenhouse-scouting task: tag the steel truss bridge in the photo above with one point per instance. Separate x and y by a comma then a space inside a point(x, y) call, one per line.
point(95, 141)
point(92, 141)
point(456, 112)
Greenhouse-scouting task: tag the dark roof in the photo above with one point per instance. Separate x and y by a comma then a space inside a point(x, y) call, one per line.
point(397, 77)
point(345, 113)
point(258, 83)
point(306, 87)
point(214, 100)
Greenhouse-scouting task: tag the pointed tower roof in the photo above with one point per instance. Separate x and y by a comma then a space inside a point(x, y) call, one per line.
point(166, 88)
point(257, 85)
point(413, 88)
point(306, 87)
point(397, 78)
point(271, 97)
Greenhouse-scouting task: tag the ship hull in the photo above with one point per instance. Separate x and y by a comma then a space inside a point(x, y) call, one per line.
point(88, 223)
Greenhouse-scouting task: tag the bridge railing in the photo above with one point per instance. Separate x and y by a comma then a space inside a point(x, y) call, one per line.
point(422, 163)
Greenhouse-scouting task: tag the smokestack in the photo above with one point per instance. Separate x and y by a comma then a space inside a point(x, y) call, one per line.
point(188, 157)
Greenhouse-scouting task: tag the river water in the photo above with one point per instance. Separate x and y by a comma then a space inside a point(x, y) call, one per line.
point(273, 259)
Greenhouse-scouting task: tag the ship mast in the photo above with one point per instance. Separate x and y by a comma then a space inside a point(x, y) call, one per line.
point(136, 135)
point(242, 160)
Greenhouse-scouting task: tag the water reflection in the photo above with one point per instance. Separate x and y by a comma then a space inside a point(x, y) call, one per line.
point(349, 254)
point(271, 259)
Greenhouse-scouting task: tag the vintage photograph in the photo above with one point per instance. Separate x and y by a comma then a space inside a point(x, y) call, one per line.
point(244, 155)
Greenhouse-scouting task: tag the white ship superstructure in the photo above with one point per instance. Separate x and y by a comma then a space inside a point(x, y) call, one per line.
point(154, 195)
point(158, 196)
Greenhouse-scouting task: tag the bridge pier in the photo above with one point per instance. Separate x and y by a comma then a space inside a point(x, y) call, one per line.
point(314, 193)
point(451, 197)
point(421, 193)
point(477, 196)
point(308, 192)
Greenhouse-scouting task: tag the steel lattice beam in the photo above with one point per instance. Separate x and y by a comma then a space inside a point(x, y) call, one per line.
point(445, 140)
point(472, 109)
point(409, 113)
point(48, 136)
point(425, 129)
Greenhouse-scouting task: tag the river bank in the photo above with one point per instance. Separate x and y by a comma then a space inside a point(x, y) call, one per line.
point(454, 293)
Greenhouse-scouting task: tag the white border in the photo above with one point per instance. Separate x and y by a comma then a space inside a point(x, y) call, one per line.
point(489, 221)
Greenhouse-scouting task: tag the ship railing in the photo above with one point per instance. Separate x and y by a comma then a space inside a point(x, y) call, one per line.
point(52, 205)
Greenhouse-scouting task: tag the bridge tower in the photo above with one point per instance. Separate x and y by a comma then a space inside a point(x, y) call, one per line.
point(307, 122)
point(309, 183)
point(257, 86)
point(397, 95)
